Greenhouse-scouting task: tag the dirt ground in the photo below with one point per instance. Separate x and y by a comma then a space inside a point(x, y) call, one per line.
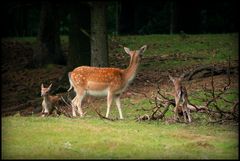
point(21, 84)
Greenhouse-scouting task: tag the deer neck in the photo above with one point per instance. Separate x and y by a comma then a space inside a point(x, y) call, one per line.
point(131, 70)
point(46, 98)
point(178, 87)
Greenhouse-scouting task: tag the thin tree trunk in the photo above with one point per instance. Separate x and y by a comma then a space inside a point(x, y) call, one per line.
point(172, 16)
point(117, 18)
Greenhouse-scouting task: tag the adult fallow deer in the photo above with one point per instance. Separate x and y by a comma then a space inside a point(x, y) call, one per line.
point(100, 81)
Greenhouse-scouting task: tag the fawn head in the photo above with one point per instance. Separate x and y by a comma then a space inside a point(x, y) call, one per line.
point(176, 80)
point(136, 54)
point(45, 91)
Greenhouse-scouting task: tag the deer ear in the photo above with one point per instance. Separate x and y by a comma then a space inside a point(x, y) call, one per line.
point(182, 76)
point(143, 48)
point(50, 86)
point(171, 78)
point(42, 86)
point(127, 50)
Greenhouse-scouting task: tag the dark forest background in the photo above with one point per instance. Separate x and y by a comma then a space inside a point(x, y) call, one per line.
point(22, 18)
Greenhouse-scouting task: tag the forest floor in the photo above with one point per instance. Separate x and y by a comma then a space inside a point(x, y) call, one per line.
point(21, 83)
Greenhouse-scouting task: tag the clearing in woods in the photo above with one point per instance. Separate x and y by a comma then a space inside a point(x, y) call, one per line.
point(91, 137)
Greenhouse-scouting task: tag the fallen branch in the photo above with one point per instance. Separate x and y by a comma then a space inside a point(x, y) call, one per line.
point(207, 71)
point(103, 117)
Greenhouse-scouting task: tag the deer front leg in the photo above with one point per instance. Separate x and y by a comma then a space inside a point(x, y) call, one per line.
point(45, 110)
point(117, 99)
point(177, 101)
point(42, 112)
point(109, 102)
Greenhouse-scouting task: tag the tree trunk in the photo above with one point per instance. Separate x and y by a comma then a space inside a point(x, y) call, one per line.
point(48, 49)
point(117, 18)
point(99, 40)
point(79, 38)
point(172, 16)
point(79, 41)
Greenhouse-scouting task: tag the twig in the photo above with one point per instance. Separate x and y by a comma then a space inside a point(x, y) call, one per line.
point(101, 116)
point(68, 105)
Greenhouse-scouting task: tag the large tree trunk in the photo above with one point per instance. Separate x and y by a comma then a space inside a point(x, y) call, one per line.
point(79, 38)
point(48, 49)
point(99, 40)
point(79, 41)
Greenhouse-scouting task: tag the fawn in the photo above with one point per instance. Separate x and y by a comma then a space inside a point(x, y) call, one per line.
point(100, 81)
point(180, 94)
point(49, 102)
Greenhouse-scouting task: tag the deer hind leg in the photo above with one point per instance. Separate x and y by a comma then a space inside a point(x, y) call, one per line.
point(184, 113)
point(51, 109)
point(187, 111)
point(109, 102)
point(79, 105)
point(74, 105)
point(188, 114)
point(117, 99)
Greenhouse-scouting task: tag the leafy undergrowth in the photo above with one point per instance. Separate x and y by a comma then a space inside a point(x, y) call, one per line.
point(93, 138)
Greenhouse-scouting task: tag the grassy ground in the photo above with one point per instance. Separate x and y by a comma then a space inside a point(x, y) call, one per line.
point(91, 137)
point(65, 138)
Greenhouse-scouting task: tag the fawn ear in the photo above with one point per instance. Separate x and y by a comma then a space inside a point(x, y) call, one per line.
point(42, 86)
point(143, 48)
point(127, 50)
point(171, 78)
point(50, 86)
point(182, 76)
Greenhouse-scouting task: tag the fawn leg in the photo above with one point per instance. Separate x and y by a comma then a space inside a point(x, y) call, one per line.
point(187, 110)
point(177, 101)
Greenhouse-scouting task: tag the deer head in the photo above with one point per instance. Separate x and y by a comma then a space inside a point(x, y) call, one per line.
point(45, 91)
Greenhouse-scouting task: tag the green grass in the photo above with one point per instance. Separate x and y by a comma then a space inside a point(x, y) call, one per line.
point(94, 138)
point(200, 46)
point(65, 138)
point(193, 44)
